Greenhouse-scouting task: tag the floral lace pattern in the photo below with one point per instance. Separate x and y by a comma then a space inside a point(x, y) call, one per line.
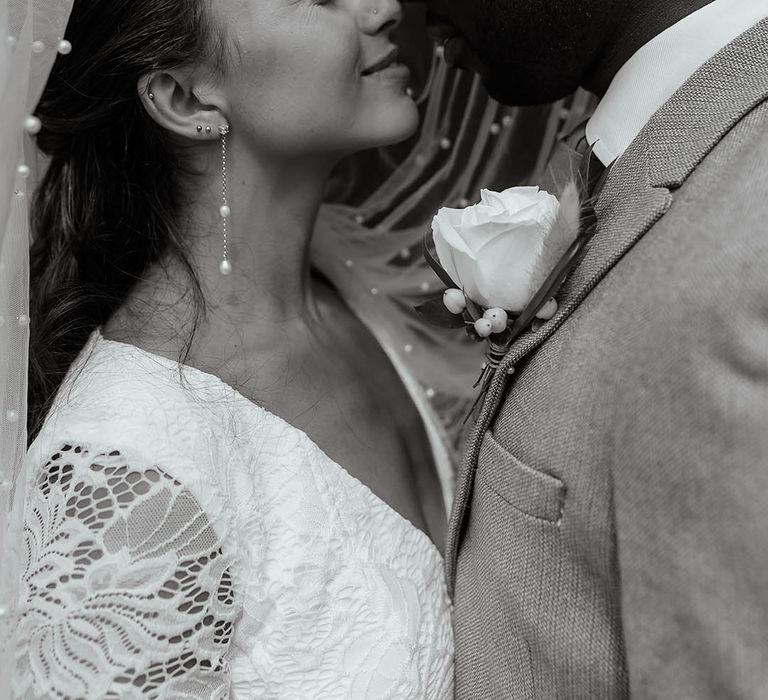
point(125, 585)
point(183, 542)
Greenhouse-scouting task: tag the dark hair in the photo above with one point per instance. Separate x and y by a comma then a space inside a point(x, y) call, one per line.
point(108, 205)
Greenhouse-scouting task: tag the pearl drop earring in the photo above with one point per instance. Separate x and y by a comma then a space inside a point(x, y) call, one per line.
point(225, 267)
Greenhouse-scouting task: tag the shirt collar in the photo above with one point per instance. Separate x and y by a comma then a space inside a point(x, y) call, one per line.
point(660, 67)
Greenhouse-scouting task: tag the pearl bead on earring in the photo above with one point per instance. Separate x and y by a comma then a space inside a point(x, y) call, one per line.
point(32, 125)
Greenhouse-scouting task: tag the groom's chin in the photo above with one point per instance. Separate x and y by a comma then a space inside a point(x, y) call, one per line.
point(513, 89)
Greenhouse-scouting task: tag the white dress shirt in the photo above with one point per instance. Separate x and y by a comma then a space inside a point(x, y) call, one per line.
point(656, 71)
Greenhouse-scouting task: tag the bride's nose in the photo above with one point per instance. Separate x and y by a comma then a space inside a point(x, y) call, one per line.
point(380, 16)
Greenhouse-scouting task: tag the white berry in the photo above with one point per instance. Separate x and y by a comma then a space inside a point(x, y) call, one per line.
point(547, 311)
point(483, 327)
point(454, 301)
point(498, 318)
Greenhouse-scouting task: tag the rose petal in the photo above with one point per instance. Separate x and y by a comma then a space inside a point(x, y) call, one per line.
point(467, 275)
point(504, 269)
point(523, 241)
point(513, 198)
point(450, 214)
point(525, 214)
point(443, 228)
point(475, 238)
point(487, 196)
point(447, 243)
point(470, 216)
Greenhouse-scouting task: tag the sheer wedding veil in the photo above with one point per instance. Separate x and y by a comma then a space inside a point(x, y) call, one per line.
point(30, 32)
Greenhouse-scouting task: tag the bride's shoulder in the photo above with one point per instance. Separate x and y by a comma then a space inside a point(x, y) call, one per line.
point(157, 411)
point(117, 397)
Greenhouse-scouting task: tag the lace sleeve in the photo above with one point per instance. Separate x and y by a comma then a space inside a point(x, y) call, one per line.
point(126, 588)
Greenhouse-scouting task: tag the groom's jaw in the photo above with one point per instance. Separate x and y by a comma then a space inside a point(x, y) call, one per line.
point(527, 51)
point(539, 51)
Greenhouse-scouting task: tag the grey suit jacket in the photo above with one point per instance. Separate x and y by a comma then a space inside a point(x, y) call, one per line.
point(610, 531)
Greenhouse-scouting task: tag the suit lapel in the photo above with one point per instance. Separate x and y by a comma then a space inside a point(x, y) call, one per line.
point(625, 211)
point(636, 195)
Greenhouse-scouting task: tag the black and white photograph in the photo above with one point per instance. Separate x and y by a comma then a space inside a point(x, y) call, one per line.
point(384, 349)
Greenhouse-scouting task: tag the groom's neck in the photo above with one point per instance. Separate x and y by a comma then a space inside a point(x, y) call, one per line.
point(641, 21)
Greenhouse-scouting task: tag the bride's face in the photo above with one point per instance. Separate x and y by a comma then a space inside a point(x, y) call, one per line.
point(315, 77)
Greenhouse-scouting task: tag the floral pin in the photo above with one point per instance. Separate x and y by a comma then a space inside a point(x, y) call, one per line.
point(503, 261)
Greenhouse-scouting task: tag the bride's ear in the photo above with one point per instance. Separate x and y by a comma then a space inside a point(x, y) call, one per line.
point(183, 105)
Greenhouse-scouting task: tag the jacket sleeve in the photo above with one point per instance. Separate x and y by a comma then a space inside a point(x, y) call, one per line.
point(692, 496)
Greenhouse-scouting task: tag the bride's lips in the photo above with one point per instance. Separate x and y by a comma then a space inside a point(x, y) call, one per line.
point(383, 62)
point(387, 67)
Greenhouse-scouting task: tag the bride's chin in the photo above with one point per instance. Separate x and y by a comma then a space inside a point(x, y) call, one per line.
point(399, 123)
point(382, 123)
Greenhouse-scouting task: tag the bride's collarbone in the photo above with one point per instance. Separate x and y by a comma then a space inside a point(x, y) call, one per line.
point(349, 400)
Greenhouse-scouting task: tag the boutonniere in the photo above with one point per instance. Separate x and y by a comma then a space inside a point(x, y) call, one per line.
point(503, 262)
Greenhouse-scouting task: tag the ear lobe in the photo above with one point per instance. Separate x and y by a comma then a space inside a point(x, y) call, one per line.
point(172, 99)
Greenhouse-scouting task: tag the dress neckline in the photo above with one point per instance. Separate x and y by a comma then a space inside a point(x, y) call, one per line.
point(234, 394)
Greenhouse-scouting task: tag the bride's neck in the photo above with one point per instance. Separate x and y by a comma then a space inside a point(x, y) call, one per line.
point(273, 213)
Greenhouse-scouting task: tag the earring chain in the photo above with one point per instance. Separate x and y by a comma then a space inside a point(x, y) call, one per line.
point(225, 268)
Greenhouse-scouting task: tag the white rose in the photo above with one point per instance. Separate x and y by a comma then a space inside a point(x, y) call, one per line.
point(495, 249)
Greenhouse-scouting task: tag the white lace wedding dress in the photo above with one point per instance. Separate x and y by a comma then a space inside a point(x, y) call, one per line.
point(183, 542)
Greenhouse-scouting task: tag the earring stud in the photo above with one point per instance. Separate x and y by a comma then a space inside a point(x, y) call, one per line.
point(375, 10)
point(199, 128)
